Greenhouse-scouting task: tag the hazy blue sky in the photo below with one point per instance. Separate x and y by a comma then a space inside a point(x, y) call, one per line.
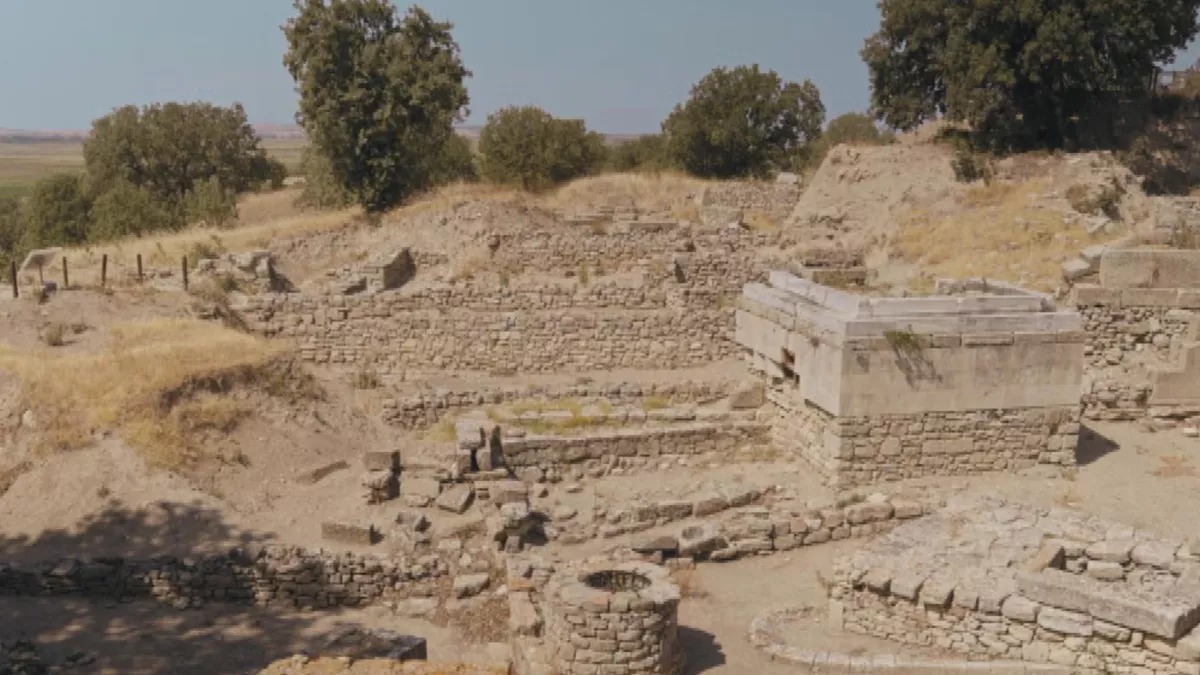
point(620, 64)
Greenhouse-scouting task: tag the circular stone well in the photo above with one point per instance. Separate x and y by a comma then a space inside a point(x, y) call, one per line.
point(620, 614)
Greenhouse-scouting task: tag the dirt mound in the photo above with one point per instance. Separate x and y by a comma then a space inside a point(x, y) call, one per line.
point(859, 192)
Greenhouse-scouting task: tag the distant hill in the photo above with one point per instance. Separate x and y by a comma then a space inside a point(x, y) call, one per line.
point(267, 130)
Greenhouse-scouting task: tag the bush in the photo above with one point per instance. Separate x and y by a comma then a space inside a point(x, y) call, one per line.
point(211, 203)
point(12, 232)
point(1105, 202)
point(455, 164)
point(743, 122)
point(970, 166)
point(129, 210)
point(169, 148)
point(645, 153)
point(528, 147)
point(321, 188)
point(58, 212)
point(54, 335)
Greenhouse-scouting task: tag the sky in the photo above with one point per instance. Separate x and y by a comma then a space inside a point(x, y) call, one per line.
point(622, 65)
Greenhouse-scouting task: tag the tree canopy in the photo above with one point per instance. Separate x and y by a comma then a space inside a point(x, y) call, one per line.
point(1020, 73)
point(168, 149)
point(379, 94)
point(527, 146)
point(743, 122)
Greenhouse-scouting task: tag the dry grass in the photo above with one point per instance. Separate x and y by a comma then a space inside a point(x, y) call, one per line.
point(1175, 466)
point(160, 384)
point(649, 191)
point(999, 233)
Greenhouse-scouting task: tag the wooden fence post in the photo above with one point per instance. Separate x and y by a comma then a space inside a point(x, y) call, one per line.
point(139, 261)
point(185, 279)
point(66, 277)
point(12, 273)
point(103, 270)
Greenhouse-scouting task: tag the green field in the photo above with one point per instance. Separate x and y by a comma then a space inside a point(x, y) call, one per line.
point(23, 164)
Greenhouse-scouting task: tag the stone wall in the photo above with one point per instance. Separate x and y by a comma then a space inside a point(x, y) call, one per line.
point(722, 203)
point(991, 580)
point(421, 410)
point(600, 452)
point(370, 330)
point(1121, 322)
point(275, 576)
point(854, 451)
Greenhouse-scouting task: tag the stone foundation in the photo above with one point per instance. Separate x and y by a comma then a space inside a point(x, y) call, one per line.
point(280, 576)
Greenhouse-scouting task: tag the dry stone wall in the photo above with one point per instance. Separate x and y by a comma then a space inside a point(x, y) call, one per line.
point(275, 576)
point(368, 330)
point(722, 203)
point(1120, 322)
point(993, 580)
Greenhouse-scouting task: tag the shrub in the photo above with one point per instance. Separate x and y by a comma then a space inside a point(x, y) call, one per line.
point(1106, 201)
point(129, 210)
point(644, 153)
point(529, 148)
point(211, 204)
point(455, 163)
point(970, 166)
point(321, 187)
point(58, 212)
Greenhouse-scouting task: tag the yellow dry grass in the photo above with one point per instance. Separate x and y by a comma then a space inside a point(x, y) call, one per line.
point(999, 232)
point(158, 384)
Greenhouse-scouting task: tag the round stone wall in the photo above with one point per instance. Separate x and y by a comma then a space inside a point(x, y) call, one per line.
point(624, 615)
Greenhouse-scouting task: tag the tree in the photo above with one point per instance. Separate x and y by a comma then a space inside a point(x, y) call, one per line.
point(854, 129)
point(644, 153)
point(743, 122)
point(378, 95)
point(58, 212)
point(169, 148)
point(322, 190)
point(1020, 73)
point(455, 163)
point(129, 210)
point(527, 146)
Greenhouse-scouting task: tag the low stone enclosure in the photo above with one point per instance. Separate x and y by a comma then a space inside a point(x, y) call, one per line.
point(991, 580)
point(1143, 325)
point(985, 377)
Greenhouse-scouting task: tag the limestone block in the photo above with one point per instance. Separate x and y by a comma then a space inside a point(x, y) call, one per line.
point(344, 533)
point(1051, 554)
point(1076, 269)
point(457, 499)
point(869, 513)
point(1105, 571)
point(708, 504)
point(700, 539)
point(748, 396)
point(1066, 623)
point(1117, 551)
point(1155, 553)
point(907, 585)
point(907, 508)
point(522, 615)
point(1020, 609)
point(381, 461)
point(469, 585)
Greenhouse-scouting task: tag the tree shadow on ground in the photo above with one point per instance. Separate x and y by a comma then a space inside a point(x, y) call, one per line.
point(703, 651)
point(1093, 446)
point(145, 636)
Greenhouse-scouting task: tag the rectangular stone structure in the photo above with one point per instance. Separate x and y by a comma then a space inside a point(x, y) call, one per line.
point(867, 388)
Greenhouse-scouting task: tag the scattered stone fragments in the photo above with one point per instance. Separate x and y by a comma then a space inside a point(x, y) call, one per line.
point(345, 533)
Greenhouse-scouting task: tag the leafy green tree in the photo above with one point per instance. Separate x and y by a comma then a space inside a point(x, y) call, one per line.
point(378, 94)
point(644, 153)
point(169, 148)
point(855, 129)
point(1020, 73)
point(527, 146)
point(58, 212)
point(129, 210)
point(743, 122)
point(455, 163)
point(211, 203)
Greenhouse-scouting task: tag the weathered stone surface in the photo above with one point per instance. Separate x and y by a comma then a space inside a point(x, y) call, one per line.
point(869, 513)
point(1020, 609)
point(469, 585)
point(655, 544)
point(1111, 551)
point(1066, 623)
point(1155, 553)
point(907, 584)
point(1105, 571)
point(457, 499)
point(748, 396)
point(420, 487)
point(345, 533)
point(907, 508)
point(700, 539)
point(381, 461)
point(708, 504)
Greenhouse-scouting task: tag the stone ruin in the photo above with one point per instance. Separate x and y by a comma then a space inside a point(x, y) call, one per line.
point(1143, 326)
point(994, 581)
point(871, 389)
